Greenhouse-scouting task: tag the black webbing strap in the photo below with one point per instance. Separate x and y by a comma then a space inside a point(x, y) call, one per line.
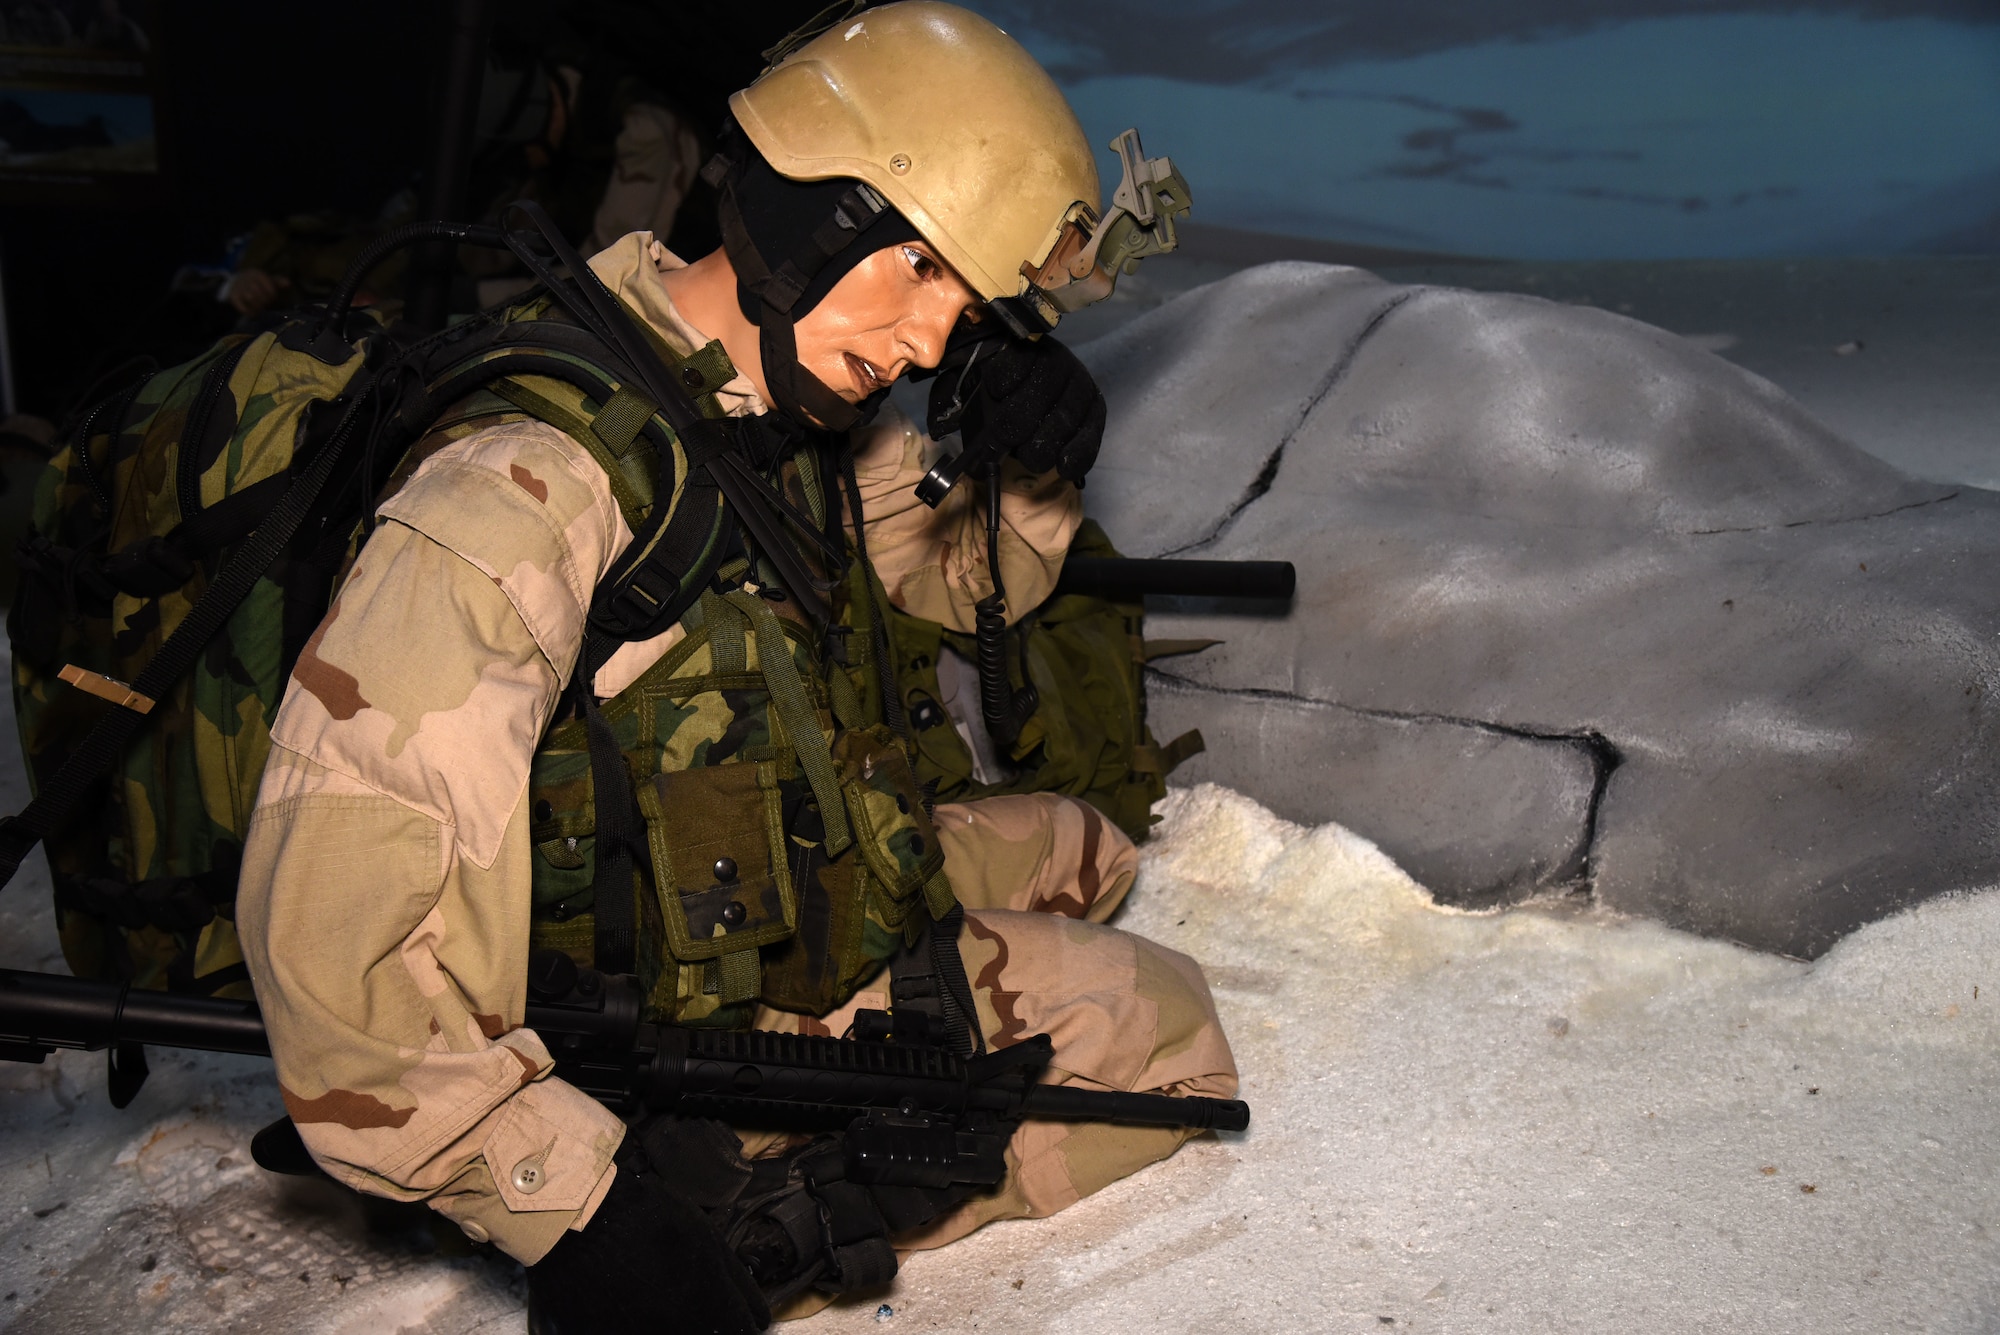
point(611, 882)
point(878, 646)
point(229, 519)
point(749, 435)
point(961, 1016)
point(200, 425)
point(637, 598)
point(105, 742)
point(111, 412)
point(586, 297)
point(930, 977)
point(660, 573)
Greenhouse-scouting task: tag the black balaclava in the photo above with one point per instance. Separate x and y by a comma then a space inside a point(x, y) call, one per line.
point(790, 242)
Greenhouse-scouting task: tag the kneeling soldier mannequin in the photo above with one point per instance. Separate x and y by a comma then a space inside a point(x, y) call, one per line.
point(435, 805)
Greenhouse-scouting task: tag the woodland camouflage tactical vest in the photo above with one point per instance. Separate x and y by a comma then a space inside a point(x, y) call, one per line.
point(787, 841)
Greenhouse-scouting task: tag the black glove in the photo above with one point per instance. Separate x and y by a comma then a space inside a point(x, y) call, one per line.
point(1033, 400)
point(793, 1221)
point(649, 1262)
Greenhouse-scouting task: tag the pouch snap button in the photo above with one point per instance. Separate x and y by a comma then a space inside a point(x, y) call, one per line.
point(543, 811)
point(528, 1176)
point(733, 913)
point(725, 870)
point(902, 804)
point(917, 844)
point(691, 377)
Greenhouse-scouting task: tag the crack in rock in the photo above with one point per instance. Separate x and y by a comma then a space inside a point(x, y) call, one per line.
point(1260, 485)
point(1951, 495)
point(1576, 875)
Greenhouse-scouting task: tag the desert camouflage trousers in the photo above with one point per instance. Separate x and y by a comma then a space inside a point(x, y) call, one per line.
point(1038, 875)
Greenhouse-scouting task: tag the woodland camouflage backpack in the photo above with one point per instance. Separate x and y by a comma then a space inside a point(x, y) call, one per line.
point(186, 539)
point(129, 524)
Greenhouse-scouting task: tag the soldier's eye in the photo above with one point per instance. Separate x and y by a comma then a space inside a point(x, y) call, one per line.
point(921, 264)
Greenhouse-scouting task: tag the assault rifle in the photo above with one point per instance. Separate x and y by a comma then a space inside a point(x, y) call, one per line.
point(914, 1113)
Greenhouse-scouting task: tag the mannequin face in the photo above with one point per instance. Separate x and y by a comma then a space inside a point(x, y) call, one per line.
point(891, 312)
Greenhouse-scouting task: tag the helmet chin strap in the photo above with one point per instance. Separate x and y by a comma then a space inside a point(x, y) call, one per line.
point(796, 391)
point(827, 220)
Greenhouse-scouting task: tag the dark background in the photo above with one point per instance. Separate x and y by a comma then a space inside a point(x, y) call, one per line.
point(264, 109)
point(261, 109)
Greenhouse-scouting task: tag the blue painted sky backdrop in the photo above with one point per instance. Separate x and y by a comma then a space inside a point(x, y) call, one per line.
point(1555, 128)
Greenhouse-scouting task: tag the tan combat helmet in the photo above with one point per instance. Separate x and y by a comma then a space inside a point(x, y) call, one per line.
point(952, 123)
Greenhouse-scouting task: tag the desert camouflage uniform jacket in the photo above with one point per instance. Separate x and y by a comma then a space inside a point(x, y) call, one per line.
point(385, 897)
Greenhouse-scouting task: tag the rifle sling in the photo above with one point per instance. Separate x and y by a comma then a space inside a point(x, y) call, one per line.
point(929, 976)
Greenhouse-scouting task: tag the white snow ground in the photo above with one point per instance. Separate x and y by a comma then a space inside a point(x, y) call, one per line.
point(1533, 1121)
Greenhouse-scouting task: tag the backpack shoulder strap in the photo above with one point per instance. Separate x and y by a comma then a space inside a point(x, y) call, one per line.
point(563, 375)
point(714, 442)
point(613, 430)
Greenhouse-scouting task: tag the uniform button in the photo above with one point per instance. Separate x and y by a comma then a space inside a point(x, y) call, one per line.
point(529, 1177)
point(917, 844)
point(475, 1230)
point(733, 913)
point(691, 377)
point(543, 811)
point(560, 913)
point(902, 804)
point(725, 870)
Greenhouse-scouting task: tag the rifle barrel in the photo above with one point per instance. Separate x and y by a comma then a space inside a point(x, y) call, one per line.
point(1066, 1103)
point(1120, 579)
point(47, 1010)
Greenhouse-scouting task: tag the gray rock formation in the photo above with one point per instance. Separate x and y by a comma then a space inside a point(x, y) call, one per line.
point(1580, 605)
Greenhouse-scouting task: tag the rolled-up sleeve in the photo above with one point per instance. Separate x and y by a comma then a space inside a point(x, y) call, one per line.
point(933, 562)
point(387, 879)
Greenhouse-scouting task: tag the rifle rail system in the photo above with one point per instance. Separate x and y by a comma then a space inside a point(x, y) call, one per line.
point(914, 1111)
